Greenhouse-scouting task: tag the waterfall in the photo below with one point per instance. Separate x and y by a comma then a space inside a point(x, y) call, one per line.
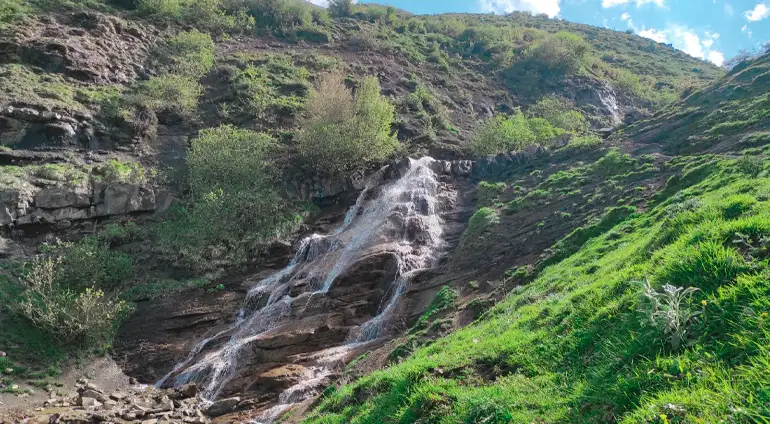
point(610, 102)
point(402, 219)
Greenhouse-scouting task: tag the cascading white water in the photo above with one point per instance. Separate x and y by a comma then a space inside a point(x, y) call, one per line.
point(610, 101)
point(403, 220)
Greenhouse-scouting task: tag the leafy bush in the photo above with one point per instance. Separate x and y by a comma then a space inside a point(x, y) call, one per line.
point(505, 133)
point(585, 141)
point(269, 83)
point(542, 129)
point(67, 315)
point(236, 208)
point(561, 53)
point(11, 11)
point(341, 8)
point(167, 93)
point(117, 172)
point(189, 54)
point(279, 16)
point(479, 223)
point(559, 112)
point(207, 15)
point(490, 192)
point(91, 263)
point(750, 165)
point(341, 131)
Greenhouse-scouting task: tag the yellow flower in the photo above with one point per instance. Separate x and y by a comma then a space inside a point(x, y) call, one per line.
point(764, 314)
point(704, 302)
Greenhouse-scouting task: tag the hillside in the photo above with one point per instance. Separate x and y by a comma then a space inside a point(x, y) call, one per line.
point(654, 311)
point(237, 194)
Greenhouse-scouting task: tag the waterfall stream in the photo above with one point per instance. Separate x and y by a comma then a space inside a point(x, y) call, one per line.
point(401, 217)
point(610, 102)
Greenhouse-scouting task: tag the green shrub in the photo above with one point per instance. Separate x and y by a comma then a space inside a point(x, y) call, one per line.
point(341, 8)
point(342, 132)
point(279, 16)
point(489, 193)
point(479, 223)
point(206, 15)
point(542, 129)
point(559, 112)
point(116, 172)
point(67, 315)
point(585, 141)
point(561, 53)
point(91, 263)
point(189, 54)
point(505, 133)
point(118, 234)
point(501, 134)
point(236, 208)
point(12, 11)
point(167, 93)
point(445, 299)
point(750, 165)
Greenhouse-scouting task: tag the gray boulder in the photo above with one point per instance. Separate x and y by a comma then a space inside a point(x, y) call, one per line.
point(222, 407)
point(62, 197)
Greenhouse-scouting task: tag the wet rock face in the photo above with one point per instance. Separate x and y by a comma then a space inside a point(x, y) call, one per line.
point(299, 324)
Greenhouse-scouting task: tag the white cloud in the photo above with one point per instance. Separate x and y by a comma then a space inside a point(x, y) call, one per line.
point(759, 12)
point(653, 34)
point(324, 3)
point(745, 29)
point(687, 41)
point(639, 3)
point(716, 57)
point(729, 10)
point(549, 7)
point(625, 17)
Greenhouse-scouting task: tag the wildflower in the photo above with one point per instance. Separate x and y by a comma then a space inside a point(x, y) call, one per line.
point(704, 302)
point(764, 314)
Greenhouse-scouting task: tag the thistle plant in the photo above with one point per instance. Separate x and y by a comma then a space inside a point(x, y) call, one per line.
point(668, 311)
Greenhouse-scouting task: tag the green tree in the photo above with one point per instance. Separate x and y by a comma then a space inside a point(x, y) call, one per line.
point(341, 8)
point(559, 112)
point(342, 131)
point(562, 52)
point(237, 208)
point(501, 134)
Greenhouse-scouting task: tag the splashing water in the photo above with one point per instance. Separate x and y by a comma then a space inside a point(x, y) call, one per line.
point(403, 219)
point(610, 102)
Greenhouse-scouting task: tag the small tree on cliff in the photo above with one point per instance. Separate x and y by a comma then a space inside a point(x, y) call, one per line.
point(341, 8)
point(342, 131)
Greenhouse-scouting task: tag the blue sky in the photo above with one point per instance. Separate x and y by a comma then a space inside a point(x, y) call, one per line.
point(712, 30)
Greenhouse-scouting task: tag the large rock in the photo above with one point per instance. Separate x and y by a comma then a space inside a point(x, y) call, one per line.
point(281, 378)
point(63, 197)
point(125, 198)
point(59, 133)
point(223, 407)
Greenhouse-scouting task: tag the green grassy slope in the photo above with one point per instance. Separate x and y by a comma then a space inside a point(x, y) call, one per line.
point(734, 114)
point(584, 343)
